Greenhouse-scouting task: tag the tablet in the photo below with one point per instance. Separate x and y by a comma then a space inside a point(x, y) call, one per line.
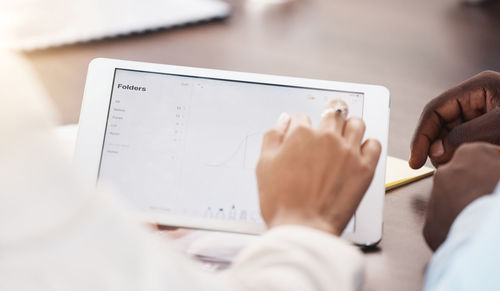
point(181, 144)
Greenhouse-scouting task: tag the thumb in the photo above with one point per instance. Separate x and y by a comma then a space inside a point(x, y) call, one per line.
point(484, 128)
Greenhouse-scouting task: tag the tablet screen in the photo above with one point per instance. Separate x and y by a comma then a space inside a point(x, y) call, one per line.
point(189, 145)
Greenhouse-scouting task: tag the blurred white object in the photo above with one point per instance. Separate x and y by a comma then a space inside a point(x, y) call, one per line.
point(33, 24)
point(66, 134)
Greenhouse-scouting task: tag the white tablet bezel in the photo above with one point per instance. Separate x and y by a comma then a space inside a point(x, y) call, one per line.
point(93, 117)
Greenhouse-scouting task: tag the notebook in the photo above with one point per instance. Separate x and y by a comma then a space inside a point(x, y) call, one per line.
point(399, 173)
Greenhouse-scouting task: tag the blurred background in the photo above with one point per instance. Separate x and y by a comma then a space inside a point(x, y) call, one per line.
point(415, 48)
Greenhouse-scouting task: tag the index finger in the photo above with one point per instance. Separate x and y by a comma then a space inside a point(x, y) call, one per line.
point(461, 103)
point(333, 118)
point(274, 137)
point(298, 121)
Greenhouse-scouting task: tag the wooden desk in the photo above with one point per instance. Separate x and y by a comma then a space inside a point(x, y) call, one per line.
point(415, 48)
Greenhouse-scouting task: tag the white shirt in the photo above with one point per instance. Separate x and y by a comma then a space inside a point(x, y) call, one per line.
point(58, 234)
point(469, 259)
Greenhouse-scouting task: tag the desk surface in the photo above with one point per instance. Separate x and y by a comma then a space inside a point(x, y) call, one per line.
point(415, 48)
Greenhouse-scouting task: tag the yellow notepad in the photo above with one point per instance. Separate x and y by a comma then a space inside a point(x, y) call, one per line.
point(399, 173)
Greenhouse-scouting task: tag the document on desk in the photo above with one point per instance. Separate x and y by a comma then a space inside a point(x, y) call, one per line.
point(399, 173)
point(84, 20)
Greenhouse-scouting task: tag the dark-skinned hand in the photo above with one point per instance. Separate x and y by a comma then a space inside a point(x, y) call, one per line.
point(466, 113)
point(473, 172)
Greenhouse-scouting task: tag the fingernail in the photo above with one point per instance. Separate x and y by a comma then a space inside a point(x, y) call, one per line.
point(437, 149)
point(284, 117)
point(339, 106)
point(338, 109)
point(410, 162)
point(341, 109)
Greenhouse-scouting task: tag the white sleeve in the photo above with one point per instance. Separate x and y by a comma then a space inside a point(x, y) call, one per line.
point(469, 254)
point(299, 258)
point(57, 234)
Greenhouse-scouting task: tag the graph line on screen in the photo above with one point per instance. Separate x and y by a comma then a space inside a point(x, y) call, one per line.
point(239, 157)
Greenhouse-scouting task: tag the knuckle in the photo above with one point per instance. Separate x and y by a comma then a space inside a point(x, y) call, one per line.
point(351, 154)
point(272, 133)
point(467, 149)
point(301, 130)
point(329, 114)
point(374, 145)
point(428, 108)
point(302, 116)
point(328, 138)
point(489, 74)
point(464, 149)
point(428, 113)
point(356, 123)
point(476, 152)
point(444, 172)
point(489, 78)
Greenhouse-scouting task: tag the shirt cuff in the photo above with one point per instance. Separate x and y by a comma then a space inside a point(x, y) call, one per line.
point(310, 260)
